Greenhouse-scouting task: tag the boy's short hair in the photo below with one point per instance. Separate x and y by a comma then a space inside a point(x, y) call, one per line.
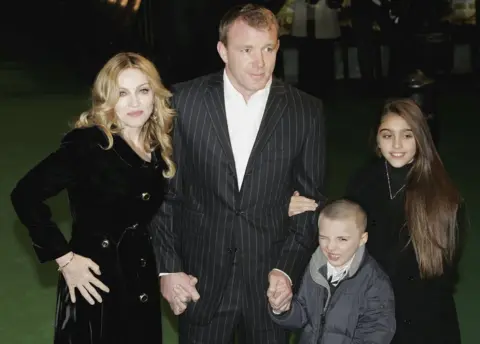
point(344, 209)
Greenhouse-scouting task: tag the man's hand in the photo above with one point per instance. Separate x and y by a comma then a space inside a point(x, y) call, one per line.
point(279, 292)
point(179, 289)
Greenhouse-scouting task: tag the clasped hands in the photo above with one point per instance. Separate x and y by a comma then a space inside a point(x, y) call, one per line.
point(279, 292)
point(179, 289)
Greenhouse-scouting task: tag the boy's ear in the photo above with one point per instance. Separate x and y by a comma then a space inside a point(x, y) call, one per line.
point(363, 238)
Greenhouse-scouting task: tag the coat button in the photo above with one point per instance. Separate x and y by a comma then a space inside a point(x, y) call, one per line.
point(145, 196)
point(143, 298)
point(143, 263)
point(105, 243)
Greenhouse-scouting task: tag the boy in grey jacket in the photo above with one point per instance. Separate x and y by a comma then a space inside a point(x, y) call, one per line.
point(345, 297)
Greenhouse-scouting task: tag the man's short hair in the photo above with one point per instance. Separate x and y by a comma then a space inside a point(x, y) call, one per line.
point(255, 16)
point(344, 209)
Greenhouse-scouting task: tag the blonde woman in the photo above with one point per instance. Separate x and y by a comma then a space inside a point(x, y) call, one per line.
point(114, 166)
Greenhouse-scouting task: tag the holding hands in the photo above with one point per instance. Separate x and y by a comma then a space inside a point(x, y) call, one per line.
point(279, 292)
point(179, 289)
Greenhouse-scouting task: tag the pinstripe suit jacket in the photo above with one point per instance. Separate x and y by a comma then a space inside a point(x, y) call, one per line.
point(206, 219)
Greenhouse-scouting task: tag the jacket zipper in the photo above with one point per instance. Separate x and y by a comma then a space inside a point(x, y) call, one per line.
point(323, 316)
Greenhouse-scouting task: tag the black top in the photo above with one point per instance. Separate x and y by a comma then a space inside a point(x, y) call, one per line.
point(425, 309)
point(106, 190)
point(113, 195)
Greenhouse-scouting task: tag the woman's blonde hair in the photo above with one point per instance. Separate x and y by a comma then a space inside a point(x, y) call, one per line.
point(105, 94)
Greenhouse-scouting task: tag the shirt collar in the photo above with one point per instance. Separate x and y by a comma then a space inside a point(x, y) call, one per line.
point(333, 271)
point(231, 92)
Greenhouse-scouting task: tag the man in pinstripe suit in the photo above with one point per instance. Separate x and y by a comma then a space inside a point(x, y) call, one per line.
point(243, 143)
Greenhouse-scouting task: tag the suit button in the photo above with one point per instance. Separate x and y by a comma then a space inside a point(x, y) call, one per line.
point(143, 262)
point(145, 196)
point(411, 278)
point(407, 321)
point(143, 298)
point(105, 243)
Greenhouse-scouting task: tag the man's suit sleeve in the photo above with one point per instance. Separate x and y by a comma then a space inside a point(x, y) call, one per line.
point(164, 227)
point(308, 175)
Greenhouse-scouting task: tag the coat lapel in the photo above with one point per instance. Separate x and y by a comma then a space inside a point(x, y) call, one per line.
point(274, 110)
point(215, 103)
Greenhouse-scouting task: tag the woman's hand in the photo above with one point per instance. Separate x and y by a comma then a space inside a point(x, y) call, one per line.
point(300, 204)
point(77, 272)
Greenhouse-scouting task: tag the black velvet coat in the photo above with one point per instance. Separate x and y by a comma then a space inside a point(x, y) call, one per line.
point(113, 194)
point(425, 308)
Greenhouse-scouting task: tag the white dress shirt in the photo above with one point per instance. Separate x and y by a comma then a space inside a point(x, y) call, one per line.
point(243, 120)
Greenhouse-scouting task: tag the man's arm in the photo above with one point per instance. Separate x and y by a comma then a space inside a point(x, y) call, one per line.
point(165, 238)
point(177, 287)
point(309, 174)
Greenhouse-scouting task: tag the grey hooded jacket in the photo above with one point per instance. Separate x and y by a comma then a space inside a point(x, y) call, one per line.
point(361, 309)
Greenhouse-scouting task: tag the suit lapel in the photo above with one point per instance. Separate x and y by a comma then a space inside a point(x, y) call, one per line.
point(215, 102)
point(274, 110)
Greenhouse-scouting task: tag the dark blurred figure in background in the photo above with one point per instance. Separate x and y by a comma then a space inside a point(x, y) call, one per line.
point(315, 28)
point(419, 44)
point(403, 25)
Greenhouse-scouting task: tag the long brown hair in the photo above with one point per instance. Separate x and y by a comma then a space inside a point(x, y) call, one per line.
point(431, 198)
point(156, 132)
